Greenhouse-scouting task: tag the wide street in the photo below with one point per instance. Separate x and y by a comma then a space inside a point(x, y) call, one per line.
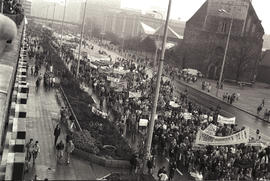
point(207, 100)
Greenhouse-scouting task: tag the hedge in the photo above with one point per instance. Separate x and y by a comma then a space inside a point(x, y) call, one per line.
point(97, 131)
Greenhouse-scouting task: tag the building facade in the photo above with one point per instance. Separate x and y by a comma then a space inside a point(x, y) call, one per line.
point(264, 68)
point(50, 10)
point(123, 22)
point(206, 34)
point(27, 6)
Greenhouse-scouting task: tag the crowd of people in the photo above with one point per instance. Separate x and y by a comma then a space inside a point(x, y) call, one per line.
point(128, 93)
point(230, 98)
point(174, 135)
point(64, 148)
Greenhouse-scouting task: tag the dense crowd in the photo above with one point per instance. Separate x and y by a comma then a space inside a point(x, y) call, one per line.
point(174, 135)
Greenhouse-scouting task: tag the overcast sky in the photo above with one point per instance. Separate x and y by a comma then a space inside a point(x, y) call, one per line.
point(186, 8)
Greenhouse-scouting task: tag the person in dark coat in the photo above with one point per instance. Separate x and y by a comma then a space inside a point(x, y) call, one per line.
point(57, 132)
point(133, 163)
point(172, 168)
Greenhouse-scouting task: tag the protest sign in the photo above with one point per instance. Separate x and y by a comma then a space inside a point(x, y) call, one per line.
point(112, 79)
point(211, 129)
point(238, 138)
point(187, 116)
point(224, 120)
point(98, 112)
point(143, 122)
point(119, 85)
point(134, 94)
point(174, 105)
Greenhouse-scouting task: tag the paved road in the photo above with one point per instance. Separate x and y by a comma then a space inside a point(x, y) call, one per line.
point(243, 119)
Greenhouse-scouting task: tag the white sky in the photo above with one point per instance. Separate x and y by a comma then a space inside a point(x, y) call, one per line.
point(186, 8)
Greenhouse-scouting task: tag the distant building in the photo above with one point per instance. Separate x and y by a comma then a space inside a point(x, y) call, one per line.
point(205, 38)
point(126, 24)
point(27, 6)
point(50, 10)
point(264, 68)
point(108, 17)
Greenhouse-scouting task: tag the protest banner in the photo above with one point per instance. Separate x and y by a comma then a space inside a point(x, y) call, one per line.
point(93, 66)
point(112, 79)
point(100, 113)
point(119, 85)
point(143, 122)
point(174, 105)
point(187, 116)
point(134, 94)
point(224, 120)
point(203, 138)
point(211, 129)
point(120, 71)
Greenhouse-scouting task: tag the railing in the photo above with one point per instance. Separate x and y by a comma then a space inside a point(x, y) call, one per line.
point(77, 124)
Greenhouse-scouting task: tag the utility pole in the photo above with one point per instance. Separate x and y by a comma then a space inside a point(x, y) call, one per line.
point(154, 108)
point(53, 13)
point(80, 45)
point(61, 42)
point(226, 51)
point(2, 6)
point(47, 13)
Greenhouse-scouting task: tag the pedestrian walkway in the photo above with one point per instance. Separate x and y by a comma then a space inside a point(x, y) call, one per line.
point(250, 97)
point(42, 117)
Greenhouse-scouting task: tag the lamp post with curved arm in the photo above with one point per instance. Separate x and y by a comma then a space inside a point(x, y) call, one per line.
point(226, 50)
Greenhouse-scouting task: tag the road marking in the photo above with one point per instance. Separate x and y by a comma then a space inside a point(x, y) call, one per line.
point(179, 172)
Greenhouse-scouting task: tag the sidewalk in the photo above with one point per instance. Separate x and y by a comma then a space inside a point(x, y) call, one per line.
point(42, 115)
point(250, 97)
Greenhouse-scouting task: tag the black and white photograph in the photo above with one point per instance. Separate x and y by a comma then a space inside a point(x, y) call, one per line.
point(135, 90)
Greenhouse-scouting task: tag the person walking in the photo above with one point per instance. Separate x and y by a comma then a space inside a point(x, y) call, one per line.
point(60, 150)
point(172, 168)
point(133, 163)
point(57, 132)
point(29, 149)
point(69, 149)
point(150, 165)
point(36, 151)
point(160, 172)
point(263, 102)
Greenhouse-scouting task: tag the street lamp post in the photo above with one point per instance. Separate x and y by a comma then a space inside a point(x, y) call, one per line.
point(47, 13)
point(157, 44)
point(81, 38)
point(2, 6)
point(53, 13)
point(61, 42)
point(226, 50)
point(154, 108)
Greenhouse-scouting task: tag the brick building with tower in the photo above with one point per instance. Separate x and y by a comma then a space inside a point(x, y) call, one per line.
point(205, 38)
